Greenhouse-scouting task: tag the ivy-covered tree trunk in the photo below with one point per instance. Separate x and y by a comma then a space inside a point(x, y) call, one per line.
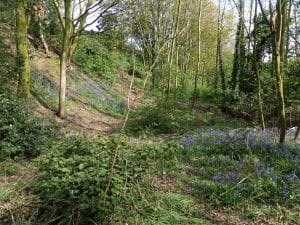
point(23, 60)
point(239, 50)
point(64, 58)
point(256, 70)
point(219, 56)
point(277, 25)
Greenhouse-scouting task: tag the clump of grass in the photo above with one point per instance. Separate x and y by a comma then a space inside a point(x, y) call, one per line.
point(5, 194)
point(9, 168)
point(150, 206)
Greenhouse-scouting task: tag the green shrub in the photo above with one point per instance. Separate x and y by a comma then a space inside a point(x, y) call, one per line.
point(7, 58)
point(21, 133)
point(95, 59)
point(73, 176)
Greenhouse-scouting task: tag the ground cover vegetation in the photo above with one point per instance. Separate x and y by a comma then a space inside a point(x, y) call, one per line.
point(149, 112)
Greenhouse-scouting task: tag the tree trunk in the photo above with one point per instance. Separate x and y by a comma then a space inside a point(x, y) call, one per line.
point(278, 44)
point(220, 58)
point(173, 43)
point(64, 59)
point(239, 51)
point(72, 48)
point(42, 37)
point(256, 70)
point(297, 135)
point(23, 60)
point(197, 74)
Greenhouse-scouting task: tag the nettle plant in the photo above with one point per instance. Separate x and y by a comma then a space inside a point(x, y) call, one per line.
point(74, 177)
point(243, 165)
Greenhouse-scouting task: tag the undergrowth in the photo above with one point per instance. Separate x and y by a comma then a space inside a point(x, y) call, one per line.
point(163, 118)
point(74, 176)
point(21, 133)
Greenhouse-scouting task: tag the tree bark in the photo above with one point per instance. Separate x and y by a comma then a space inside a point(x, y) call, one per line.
point(197, 74)
point(278, 43)
point(256, 70)
point(173, 43)
point(23, 60)
point(64, 59)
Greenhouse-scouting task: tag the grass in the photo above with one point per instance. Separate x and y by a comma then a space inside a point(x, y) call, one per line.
point(14, 197)
point(5, 194)
point(9, 168)
point(99, 95)
point(152, 206)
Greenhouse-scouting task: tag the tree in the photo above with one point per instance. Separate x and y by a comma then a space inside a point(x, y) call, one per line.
point(256, 69)
point(73, 20)
point(23, 60)
point(197, 73)
point(277, 25)
point(239, 49)
point(219, 55)
point(39, 13)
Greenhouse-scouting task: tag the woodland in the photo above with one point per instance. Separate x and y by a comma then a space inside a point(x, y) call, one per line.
point(149, 112)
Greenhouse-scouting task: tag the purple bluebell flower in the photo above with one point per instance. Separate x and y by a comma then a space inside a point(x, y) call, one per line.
point(237, 186)
point(287, 153)
point(275, 178)
point(202, 171)
point(291, 177)
point(285, 191)
point(259, 169)
point(218, 178)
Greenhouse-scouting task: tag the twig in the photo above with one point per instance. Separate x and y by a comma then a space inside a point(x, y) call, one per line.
point(116, 152)
point(241, 181)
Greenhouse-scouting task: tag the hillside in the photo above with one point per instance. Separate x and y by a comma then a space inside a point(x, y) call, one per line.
point(94, 106)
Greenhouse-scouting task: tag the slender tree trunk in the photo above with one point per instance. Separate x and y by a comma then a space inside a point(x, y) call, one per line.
point(297, 31)
point(197, 74)
point(42, 37)
point(73, 46)
point(249, 36)
point(64, 59)
point(23, 60)
point(177, 68)
point(220, 58)
point(256, 70)
point(173, 43)
point(297, 135)
point(239, 52)
point(288, 33)
point(278, 44)
point(216, 81)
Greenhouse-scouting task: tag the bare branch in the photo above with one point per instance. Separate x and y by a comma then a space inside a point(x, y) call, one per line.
point(60, 17)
